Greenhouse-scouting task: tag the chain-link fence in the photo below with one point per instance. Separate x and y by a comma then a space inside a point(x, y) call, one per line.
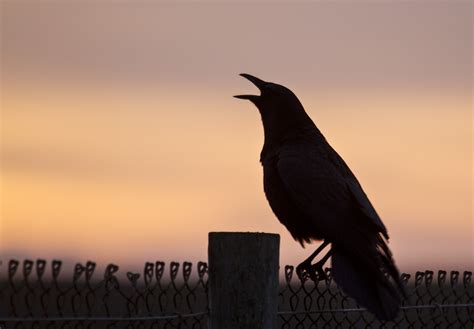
point(33, 295)
point(441, 300)
point(41, 295)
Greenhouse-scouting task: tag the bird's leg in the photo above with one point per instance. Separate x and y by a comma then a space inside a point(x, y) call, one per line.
point(306, 266)
point(318, 268)
point(315, 253)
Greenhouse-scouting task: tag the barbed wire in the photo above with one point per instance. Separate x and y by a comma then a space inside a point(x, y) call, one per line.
point(32, 296)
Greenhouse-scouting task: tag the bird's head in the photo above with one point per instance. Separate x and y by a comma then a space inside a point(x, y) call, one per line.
point(279, 107)
point(273, 97)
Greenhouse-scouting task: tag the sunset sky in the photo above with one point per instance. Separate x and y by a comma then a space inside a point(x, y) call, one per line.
point(121, 141)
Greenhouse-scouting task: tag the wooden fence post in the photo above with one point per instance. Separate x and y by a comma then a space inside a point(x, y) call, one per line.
point(243, 280)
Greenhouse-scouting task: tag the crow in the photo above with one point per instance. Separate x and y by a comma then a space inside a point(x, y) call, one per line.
point(315, 195)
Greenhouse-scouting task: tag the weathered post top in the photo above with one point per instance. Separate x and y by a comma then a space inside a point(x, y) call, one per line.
point(243, 280)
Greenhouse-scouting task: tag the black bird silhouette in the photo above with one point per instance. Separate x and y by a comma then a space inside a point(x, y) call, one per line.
point(315, 195)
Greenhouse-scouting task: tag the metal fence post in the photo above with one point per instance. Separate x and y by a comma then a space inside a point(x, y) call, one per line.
point(243, 280)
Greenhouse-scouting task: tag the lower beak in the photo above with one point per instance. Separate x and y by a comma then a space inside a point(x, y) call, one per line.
point(249, 97)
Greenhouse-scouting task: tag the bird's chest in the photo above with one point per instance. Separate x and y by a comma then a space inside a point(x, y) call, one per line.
point(288, 212)
point(278, 197)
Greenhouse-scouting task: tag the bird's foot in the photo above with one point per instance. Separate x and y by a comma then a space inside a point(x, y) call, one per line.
point(302, 270)
point(314, 271)
point(320, 273)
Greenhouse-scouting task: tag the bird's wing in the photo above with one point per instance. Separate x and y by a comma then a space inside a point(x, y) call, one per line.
point(364, 204)
point(321, 185)
point(324, 188)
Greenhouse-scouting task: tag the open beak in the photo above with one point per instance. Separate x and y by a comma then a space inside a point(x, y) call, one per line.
point(257, 82)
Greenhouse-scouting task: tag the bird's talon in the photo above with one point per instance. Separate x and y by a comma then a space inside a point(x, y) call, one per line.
point(314, 272)
point(321, 274)
point(300, 273)
point(303, 270)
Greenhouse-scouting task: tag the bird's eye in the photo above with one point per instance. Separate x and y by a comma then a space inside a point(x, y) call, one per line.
point(270, 88)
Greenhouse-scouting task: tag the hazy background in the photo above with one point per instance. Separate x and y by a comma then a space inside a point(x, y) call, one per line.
point(121, 140)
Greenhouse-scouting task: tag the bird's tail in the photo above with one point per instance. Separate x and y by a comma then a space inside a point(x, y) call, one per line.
point(370, 277)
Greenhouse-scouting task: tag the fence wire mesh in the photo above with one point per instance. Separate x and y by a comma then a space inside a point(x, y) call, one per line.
point(441, 300)
point(31, 296)
point(35, 294)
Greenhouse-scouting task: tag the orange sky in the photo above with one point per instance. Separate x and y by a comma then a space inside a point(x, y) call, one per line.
point(121, 141)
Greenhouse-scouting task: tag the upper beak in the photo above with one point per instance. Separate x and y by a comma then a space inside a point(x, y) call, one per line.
point(257, 82)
